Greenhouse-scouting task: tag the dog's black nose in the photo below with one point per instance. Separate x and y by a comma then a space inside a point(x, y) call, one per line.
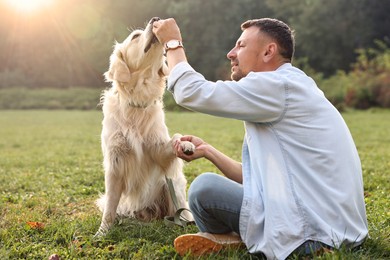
point(154, 19)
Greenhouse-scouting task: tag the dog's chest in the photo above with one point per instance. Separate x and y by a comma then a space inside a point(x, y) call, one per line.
point(143, 129)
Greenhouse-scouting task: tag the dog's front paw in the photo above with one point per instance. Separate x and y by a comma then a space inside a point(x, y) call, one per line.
point(176, 137)
point(100, 233)
point(188, 148)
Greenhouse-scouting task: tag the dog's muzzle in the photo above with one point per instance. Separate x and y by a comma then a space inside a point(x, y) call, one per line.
point(154, 19)
point(153, 37)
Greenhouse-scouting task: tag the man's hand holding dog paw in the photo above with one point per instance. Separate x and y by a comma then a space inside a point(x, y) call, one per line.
point(188, 148)
point(182, 147)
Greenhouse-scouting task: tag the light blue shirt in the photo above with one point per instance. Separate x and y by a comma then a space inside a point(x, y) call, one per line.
point(302, 176)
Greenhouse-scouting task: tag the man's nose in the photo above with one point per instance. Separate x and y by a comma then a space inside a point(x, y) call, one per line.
point(231, 54)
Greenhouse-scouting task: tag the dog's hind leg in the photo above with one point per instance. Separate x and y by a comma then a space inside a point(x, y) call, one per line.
point(115, 167)
point(114, 186)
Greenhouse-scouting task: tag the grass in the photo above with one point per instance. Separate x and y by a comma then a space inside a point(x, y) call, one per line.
point(72, 98)
point(77, 98)
point(50, 172)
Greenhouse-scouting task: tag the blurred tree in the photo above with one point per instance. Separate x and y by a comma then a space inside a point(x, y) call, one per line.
point(210, 29)
point(328, 33)
point(69, 43)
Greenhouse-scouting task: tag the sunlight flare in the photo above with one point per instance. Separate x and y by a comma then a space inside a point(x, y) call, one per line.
point(28, 6)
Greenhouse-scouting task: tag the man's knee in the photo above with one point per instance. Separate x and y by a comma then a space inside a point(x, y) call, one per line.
point(203, 187)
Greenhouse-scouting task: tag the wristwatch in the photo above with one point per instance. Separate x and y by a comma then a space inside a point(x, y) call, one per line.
point(173, 44)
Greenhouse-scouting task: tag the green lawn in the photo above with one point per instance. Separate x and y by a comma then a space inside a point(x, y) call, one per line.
point(51, 172)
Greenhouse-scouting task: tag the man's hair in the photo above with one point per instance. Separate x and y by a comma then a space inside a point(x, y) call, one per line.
point(278, 31)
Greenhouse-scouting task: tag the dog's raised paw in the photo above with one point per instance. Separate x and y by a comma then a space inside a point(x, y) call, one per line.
point(188, 152)
point(188, 148)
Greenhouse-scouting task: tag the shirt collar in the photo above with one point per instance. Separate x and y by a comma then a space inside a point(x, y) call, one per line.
point(284, 66)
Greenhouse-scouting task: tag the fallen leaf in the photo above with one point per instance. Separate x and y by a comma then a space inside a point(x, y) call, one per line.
point(35, 225)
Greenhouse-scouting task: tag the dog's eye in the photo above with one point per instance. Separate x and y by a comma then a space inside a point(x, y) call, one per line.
point(135, 36)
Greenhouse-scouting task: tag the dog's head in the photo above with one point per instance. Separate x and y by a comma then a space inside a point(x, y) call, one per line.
point(140, 51)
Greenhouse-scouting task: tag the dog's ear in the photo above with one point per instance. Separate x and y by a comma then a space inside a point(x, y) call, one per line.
point(118, 69)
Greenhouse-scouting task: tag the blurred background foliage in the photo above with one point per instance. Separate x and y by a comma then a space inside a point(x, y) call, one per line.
point(65, 46)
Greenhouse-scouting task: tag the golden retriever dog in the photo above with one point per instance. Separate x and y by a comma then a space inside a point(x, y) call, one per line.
point(136, 146)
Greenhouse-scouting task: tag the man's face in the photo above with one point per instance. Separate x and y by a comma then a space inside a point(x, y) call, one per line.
point(246, 56)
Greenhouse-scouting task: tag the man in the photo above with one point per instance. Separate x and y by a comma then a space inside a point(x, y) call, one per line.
point(299, 188)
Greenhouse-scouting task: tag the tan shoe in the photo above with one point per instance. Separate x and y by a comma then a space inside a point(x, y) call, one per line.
point(205, 243)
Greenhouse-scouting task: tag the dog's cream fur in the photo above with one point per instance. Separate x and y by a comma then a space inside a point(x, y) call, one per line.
point(136, 146)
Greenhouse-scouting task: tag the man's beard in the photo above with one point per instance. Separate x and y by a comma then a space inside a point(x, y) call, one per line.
point(237, 75)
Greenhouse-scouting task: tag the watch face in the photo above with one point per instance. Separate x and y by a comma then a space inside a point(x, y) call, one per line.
point(173, 44)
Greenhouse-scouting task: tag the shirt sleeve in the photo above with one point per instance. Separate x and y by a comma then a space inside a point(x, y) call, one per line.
point(258, 97)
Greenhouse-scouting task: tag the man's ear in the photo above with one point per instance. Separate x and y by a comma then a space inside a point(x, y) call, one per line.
point(270, 51)
point(118, 70)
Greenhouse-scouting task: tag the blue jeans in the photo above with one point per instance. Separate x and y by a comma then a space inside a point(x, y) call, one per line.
point(215, 202)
